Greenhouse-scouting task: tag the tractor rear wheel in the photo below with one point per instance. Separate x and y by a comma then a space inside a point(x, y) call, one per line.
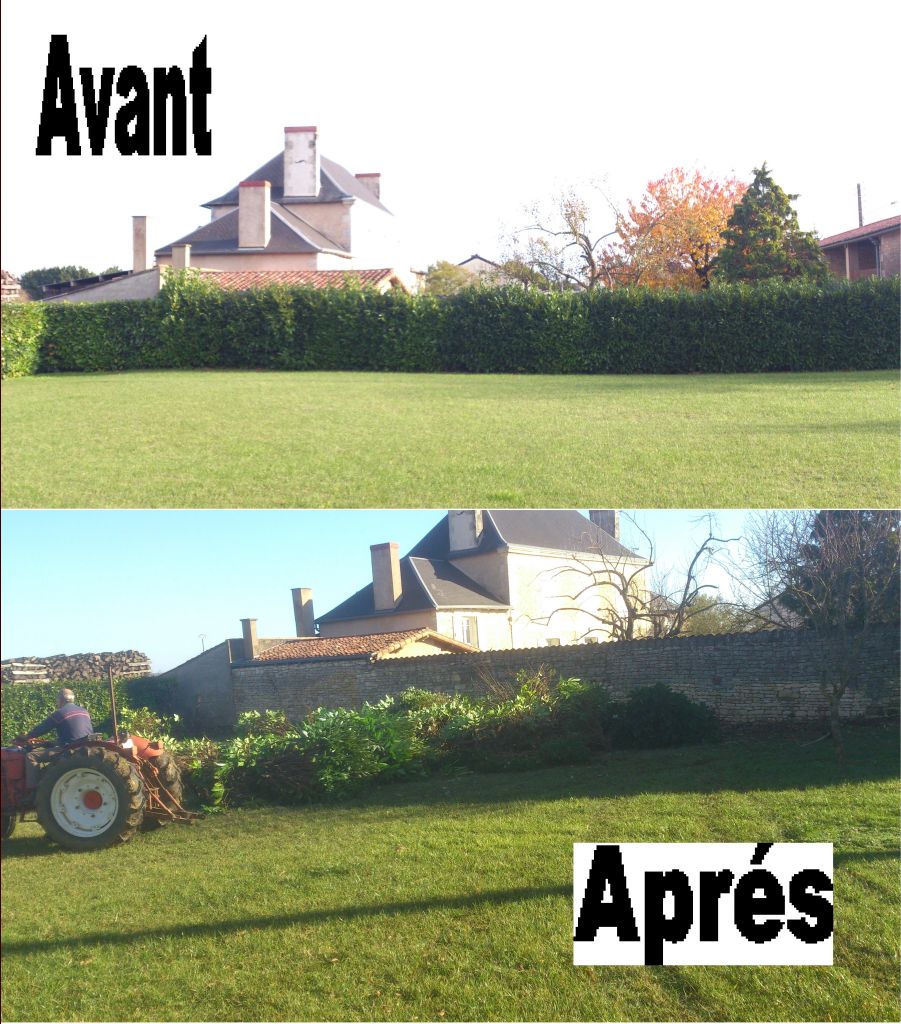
point(89, 799)
point(9, 825)
point(170, 776)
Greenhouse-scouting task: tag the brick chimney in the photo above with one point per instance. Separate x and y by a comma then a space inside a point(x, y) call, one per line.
point(251, 643)
point(464, 528)
point(301, 161)
point(386, 585)
point(372, 181)
point(303, 611)
point(181, 256)
point(139, 244)
point(606, 519)
point(253, 215)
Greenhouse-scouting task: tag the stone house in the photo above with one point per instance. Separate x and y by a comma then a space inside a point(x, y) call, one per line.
point(493, 578)
point(479, 580)
point(299, 219)
point(298, 211)
point(11, 289)
point(872, 250)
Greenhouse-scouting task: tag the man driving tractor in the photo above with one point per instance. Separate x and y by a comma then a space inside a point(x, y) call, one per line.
point(71, 721)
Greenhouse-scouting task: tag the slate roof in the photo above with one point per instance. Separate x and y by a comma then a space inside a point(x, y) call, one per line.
point(425, 584)
point(373, 645)
point(557, 529)
point(878, 227)
point(336, 184)
point(429, 579)
point(243, 280)
point(288, 234)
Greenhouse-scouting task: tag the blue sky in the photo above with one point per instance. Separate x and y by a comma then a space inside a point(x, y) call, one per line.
point(77, 581)
point(472, 111)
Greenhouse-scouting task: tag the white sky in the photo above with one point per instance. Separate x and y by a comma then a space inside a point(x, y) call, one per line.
point(470, 110)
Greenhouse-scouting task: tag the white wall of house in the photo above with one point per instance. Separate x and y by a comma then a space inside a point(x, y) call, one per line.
point(492, 628)
point(375, 238)
point(381, 624)
point(543, 584)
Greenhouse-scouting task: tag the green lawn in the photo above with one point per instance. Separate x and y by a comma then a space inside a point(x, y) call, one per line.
point(266, 439)
point(450, 899)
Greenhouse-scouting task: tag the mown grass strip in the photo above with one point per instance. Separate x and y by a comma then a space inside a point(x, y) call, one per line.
point(265, 439)
point(450, 898)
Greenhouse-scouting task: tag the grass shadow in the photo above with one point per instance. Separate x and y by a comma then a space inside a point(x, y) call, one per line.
point(738, 766)
point(495, 897)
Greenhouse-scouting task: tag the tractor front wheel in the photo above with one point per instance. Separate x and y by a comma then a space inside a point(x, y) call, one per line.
point(89, 799)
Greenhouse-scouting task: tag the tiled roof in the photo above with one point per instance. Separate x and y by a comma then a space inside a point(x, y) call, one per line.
point(375, 645)
point(243, 280)
point(878, 227)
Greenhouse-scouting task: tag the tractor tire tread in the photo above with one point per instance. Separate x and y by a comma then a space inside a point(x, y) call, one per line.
point(116, 768)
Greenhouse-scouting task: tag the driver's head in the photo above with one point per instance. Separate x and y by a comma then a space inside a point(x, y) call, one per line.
point(65, 697)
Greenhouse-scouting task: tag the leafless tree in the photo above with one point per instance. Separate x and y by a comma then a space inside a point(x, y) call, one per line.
point(834, 571)
point(561, 247)
point(635, 600)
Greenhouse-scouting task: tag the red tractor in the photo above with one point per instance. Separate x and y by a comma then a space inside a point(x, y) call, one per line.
point(93, 793)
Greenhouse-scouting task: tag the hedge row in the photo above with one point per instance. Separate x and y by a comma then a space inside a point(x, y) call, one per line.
point(23, 329)
point(737, 329)
point(26, 704)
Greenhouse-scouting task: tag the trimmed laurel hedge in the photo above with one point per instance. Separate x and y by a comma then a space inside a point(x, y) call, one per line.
point(23, 329)
point(728, 329)
point(26, 704)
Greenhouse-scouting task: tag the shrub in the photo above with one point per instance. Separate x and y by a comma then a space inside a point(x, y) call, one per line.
point(260, 723)
point(656, 716)
point(21, 338)
point(147, 723)
point(771, 326)
point(26, 704)
point(568, 748)
point(584, 710)
point(200, 762)
point(332, 753)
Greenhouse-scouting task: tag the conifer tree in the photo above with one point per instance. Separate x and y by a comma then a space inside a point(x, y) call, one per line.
point(762, 239)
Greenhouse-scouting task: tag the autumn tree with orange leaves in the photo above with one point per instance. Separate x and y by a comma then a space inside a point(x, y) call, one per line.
point(670, 238)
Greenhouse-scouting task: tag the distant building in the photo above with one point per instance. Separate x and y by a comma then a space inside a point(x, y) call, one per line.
point(12, 290)
point(298, 211)
point(299, 219)
point(873, 250)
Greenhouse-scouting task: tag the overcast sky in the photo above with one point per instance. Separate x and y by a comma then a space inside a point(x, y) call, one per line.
point(471, 110)
point(91, 581)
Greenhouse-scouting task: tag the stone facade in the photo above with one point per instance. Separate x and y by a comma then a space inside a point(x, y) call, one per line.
point(747, 678)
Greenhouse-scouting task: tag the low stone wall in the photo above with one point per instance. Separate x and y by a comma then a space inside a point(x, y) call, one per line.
point(746, 678)
point(62, 667)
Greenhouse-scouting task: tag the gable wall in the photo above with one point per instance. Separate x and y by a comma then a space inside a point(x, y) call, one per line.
point(540, 584)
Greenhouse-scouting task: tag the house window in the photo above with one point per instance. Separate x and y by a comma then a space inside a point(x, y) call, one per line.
point(866, 256)
point(468, 630)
